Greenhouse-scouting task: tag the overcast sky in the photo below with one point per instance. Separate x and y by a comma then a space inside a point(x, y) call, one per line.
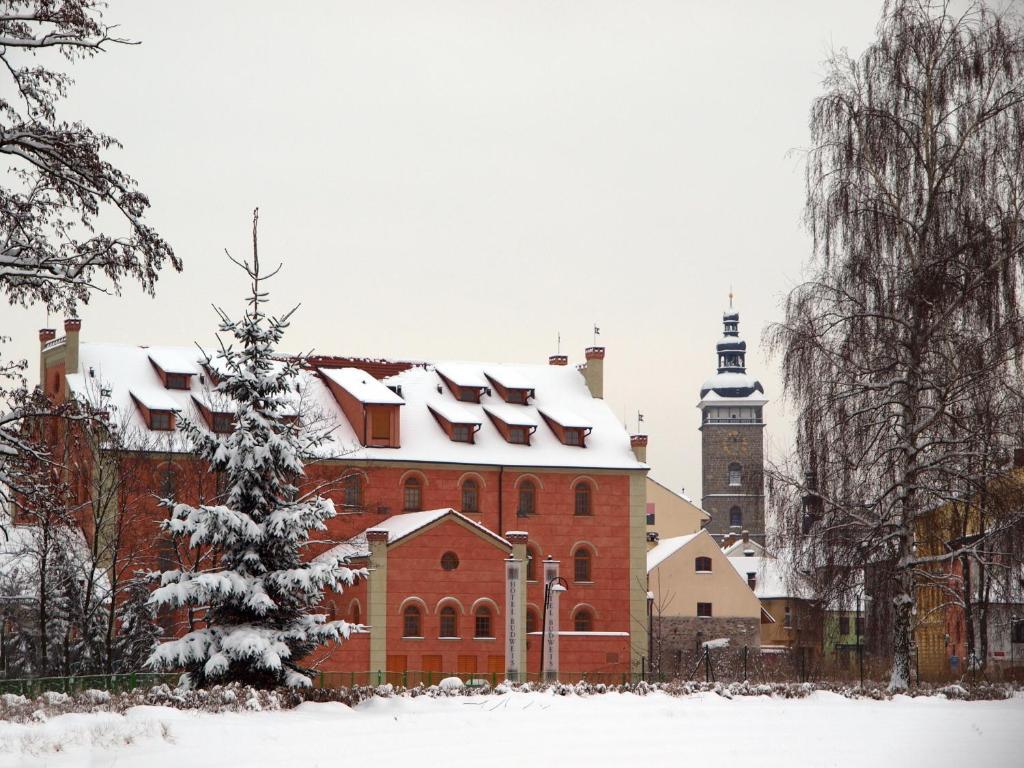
point(465, 180)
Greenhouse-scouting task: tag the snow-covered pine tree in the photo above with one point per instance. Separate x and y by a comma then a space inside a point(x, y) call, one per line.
point(138, 633)
point(261, 598)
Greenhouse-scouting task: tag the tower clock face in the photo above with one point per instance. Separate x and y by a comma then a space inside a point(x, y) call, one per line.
point(733, 443)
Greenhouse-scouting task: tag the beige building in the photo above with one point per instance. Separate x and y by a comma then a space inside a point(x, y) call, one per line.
point(696, 595)
point(671, 514)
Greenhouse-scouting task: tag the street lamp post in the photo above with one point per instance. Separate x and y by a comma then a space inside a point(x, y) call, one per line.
point(557, 584)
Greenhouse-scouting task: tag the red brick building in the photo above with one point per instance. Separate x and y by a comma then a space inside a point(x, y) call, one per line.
point(463, 487)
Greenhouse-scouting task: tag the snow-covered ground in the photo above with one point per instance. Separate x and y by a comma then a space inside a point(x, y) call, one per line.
point(540, 729)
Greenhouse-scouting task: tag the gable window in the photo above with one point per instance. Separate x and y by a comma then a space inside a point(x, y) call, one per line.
point(160, 420)
point(412, 495)
point(583, 621)
point(412, 625)
point(582, 505)
point(736, 517)
point(380, 424)
point(177, 381)
point(517, 435)
point(483, 622)
point(354, 491)
point(222, 422)
point(449, 561)
point(470, 496)
point(703, 564)
point(449, 622)
point(735, 474)
point(527, 498)
point(704, 610)
point(461, 433)
point(581, 563)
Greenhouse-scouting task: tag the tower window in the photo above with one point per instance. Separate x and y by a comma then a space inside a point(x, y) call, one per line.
point(736, 517)
point(735, 474)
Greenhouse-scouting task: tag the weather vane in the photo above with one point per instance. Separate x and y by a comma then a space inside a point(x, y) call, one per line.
point(597, 332)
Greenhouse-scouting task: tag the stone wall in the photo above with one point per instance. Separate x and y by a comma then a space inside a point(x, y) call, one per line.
point(721, 445)
point(676, 640)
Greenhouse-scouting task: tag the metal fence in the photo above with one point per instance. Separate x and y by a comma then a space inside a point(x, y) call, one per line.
point(32, 687)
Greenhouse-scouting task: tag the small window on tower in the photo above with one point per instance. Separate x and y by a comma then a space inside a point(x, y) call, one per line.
point(735, 474)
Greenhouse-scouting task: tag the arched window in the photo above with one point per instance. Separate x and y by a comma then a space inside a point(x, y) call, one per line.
point(356, 613)
point(736, 517)
point(449, 622)
point(483, 622)
point(470, 496)
point(581, 563)
point(583, 621)
point(735, 474)
point(354, 491)
point(582, 505)
point(703, 565)
point(527, 498)
point(412, 496)
point(412, 625)
point(532, 556)
point(532, 625)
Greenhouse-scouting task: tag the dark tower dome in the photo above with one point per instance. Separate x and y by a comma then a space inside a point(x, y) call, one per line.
point(732, 379)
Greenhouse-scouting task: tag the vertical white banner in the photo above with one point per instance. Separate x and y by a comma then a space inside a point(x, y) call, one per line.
point(551, 623)
point(513, 638)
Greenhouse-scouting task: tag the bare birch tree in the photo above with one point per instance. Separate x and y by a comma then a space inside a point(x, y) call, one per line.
point(909, 320)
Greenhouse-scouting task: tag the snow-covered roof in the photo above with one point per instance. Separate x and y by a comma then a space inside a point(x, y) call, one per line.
point(510, 377)
point(513, 415)
point(362, 386)
point(155, 398)
point(453, 412)
point(399, 527)
point(564, 416)
point(666, 548)
point(215, 402)
point(174, 360)
point(771, 579)
point(731, 385)
point(739, 547)
point(120, 369)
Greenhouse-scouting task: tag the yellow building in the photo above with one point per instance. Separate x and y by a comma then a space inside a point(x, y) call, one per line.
point(671, 514)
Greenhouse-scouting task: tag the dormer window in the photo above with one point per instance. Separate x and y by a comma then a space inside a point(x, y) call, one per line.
point(177, 381)
point(459, 423)
point(465, 383)
point(511, 386)
point(515, 424)
point(222, 423)
point(569, 428)
point(370, 406)
point(162, 420)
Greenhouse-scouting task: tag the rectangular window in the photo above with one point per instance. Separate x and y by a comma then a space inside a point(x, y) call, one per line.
point(844, 625)
point(222, 422)
point(704, 610)
point(572, 437)
point(517, 435)
point(160, 420)
point(469, 395)
point(461, 433)
point(650, 513)
point(380, 420)
point(517, 396)
point(788, 620)
point(177, 381)
point(752, 580)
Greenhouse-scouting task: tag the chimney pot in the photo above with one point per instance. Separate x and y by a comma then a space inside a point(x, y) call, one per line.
point(595, 353)
point(746, 537)
point(72, 324)
point(47, 334)
point(558, 360)
point(639, 445)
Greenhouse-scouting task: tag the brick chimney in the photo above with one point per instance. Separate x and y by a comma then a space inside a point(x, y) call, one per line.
point(558, 360)
point(71, 328)
point(46, 335)
point(593, 371)
point(639, 445)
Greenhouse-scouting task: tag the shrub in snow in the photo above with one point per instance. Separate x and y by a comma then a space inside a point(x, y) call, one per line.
point(259, 597)
point(451, 684)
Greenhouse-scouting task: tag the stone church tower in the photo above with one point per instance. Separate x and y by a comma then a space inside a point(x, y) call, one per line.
point(732, 440)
